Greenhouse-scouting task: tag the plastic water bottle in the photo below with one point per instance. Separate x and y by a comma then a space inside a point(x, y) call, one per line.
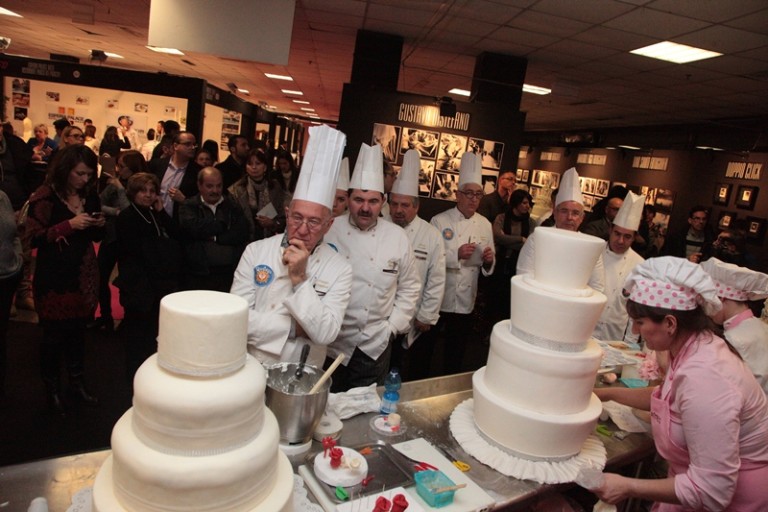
point(391, 392)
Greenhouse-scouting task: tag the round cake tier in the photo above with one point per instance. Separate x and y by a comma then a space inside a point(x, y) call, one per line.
point(202, 332)
point(537, 379)
point(279, 500)
point(342, 476)
point(565, 258)
point(530, 434)
point(151, 481)
point(198, 415)
point(552, 320)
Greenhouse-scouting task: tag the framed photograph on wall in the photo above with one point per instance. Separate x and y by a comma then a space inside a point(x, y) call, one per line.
point(424, 141)
point(526, 174)
point(746, 197)
point(489, 151)
point(756, 229)
point(449, 152)
point(722, 194)
point(726, 219)
point(388, 136)
point(601, 187)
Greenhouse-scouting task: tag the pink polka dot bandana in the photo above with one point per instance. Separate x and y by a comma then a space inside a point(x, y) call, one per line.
point(729, 292)
point(663, 295)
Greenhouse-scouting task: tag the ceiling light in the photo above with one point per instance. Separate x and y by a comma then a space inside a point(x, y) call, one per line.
point(628, 147)
point(316, 122)
point(301, 102)
point(535, 89)
point(244, 91)
point(113, 55)
point(674, 52)
point(172, 51)
point(289, 91)
point(279, 77)
point(305, 109)
point(6, 12)
point(460, 92)
point(710, 147)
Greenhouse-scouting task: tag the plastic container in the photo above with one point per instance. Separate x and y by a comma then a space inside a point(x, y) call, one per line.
point(391, 396)
point(427, 482)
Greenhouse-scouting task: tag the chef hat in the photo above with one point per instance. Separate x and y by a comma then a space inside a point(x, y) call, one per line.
point(320, 166)
point(570, 189)
point(735, 282)
point(471, 170)
point(407, 182)
point(343, 183)
point(369, 169)
point(631, 212)
point(672, 283)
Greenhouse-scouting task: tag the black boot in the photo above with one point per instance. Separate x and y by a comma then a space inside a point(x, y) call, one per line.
point(79, 392)
point(55, 400)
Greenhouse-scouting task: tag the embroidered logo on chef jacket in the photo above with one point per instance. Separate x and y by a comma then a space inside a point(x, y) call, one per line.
point(392, 265)
point(263, 275)
point(448, 234)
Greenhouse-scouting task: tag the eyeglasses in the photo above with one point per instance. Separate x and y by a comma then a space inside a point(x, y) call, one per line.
point(313, 224)
point(471, 195)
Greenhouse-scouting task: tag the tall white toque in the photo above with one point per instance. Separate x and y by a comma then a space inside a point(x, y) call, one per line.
point(320, 166)
point(570, 189)
point(631, 212)
point(471, 170)
point(407, 182)
point(369, 169)
point(343, 183)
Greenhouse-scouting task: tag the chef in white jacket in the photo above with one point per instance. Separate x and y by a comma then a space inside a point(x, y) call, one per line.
point(469, 251)
point(410, 353)
point(747, 334)
point(297, 286)
point(386, 286)
point(618, 260)
point(568, 214)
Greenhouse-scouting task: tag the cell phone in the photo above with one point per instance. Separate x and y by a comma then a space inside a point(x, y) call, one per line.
point(96, 215)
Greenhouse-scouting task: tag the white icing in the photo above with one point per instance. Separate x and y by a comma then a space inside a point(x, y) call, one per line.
point(544, 314)
point(564, 258)
point(202, 332)
point(527, 433)
point(341, 476)
point(540, 380)
point(198, 415)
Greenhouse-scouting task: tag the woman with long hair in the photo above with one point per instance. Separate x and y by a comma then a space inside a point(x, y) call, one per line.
point(63, 221)
point(286, 172)
point(112, 143)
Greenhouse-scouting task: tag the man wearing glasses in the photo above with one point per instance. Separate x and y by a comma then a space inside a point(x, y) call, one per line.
point(694, 244)
point(496, 203)
point(468, 240)
point(178, 179)
point(297, 286)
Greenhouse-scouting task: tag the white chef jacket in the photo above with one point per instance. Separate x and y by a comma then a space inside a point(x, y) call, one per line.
point(525, 264)
point(275, 305)
point(749, 336)
point(385, 288)
point(461, 275)
point(429, 257)
point(614, 319)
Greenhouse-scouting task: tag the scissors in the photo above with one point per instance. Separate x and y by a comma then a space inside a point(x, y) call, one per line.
point(419, 465)
point(459, 464)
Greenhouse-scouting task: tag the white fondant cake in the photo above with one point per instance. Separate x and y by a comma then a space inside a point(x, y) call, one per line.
point(342, 476)
point(534, 397)
point(193, 441)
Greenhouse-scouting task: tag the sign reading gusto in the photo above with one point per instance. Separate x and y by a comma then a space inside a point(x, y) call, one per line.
point(429, 115)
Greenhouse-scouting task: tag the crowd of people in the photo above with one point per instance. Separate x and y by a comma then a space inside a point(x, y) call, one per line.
point(345, 265)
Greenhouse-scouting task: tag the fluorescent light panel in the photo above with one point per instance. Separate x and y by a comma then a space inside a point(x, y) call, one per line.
point(306, 109)
point(289, 91)
point(675, 52)
point(535, 89)
point(460, 92)
point(279, 77)
point(113, 55)
point(625, 146)
point(244, 91)
point(171, 51)
point(6, 12)
point(301, 102)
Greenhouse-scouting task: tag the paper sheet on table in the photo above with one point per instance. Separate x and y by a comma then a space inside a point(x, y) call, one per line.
point(268, 211)
point(477, 257)
point(624, 418)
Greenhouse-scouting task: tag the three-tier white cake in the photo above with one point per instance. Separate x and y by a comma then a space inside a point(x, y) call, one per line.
point(198, 437)
point(534, 397)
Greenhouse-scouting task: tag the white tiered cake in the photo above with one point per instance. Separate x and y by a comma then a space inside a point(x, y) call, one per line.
point(199, 437)
point(534, 397)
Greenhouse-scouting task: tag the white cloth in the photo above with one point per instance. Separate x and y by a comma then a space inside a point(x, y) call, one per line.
point(525, 264)
point(148, 148)
point(317, 304)
point(385, 287)
point(750, 338)
point(429, 257)
point(614, 318)
point(461, 277)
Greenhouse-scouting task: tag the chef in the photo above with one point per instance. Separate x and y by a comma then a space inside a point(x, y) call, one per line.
point(386, 284)
point(429, 256)
point(296, 285)
point(747, 334)
point(568, 214)
point(619, 259)
point(468, 240)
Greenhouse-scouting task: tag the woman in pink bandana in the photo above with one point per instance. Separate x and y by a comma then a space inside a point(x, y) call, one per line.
point(709, 415)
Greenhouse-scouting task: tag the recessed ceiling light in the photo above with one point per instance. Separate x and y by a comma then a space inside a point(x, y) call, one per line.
point(625, 146)
point(172, 51)
point(289, 91)
point(113, 55)
point(6, 12)
point(306, 109)
point(710, 147)
point(301, 102)
point(244, 91)
point(316, 122)
point(460, 92)
point(279, 77)
point(535, 89)
point(674, 52)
